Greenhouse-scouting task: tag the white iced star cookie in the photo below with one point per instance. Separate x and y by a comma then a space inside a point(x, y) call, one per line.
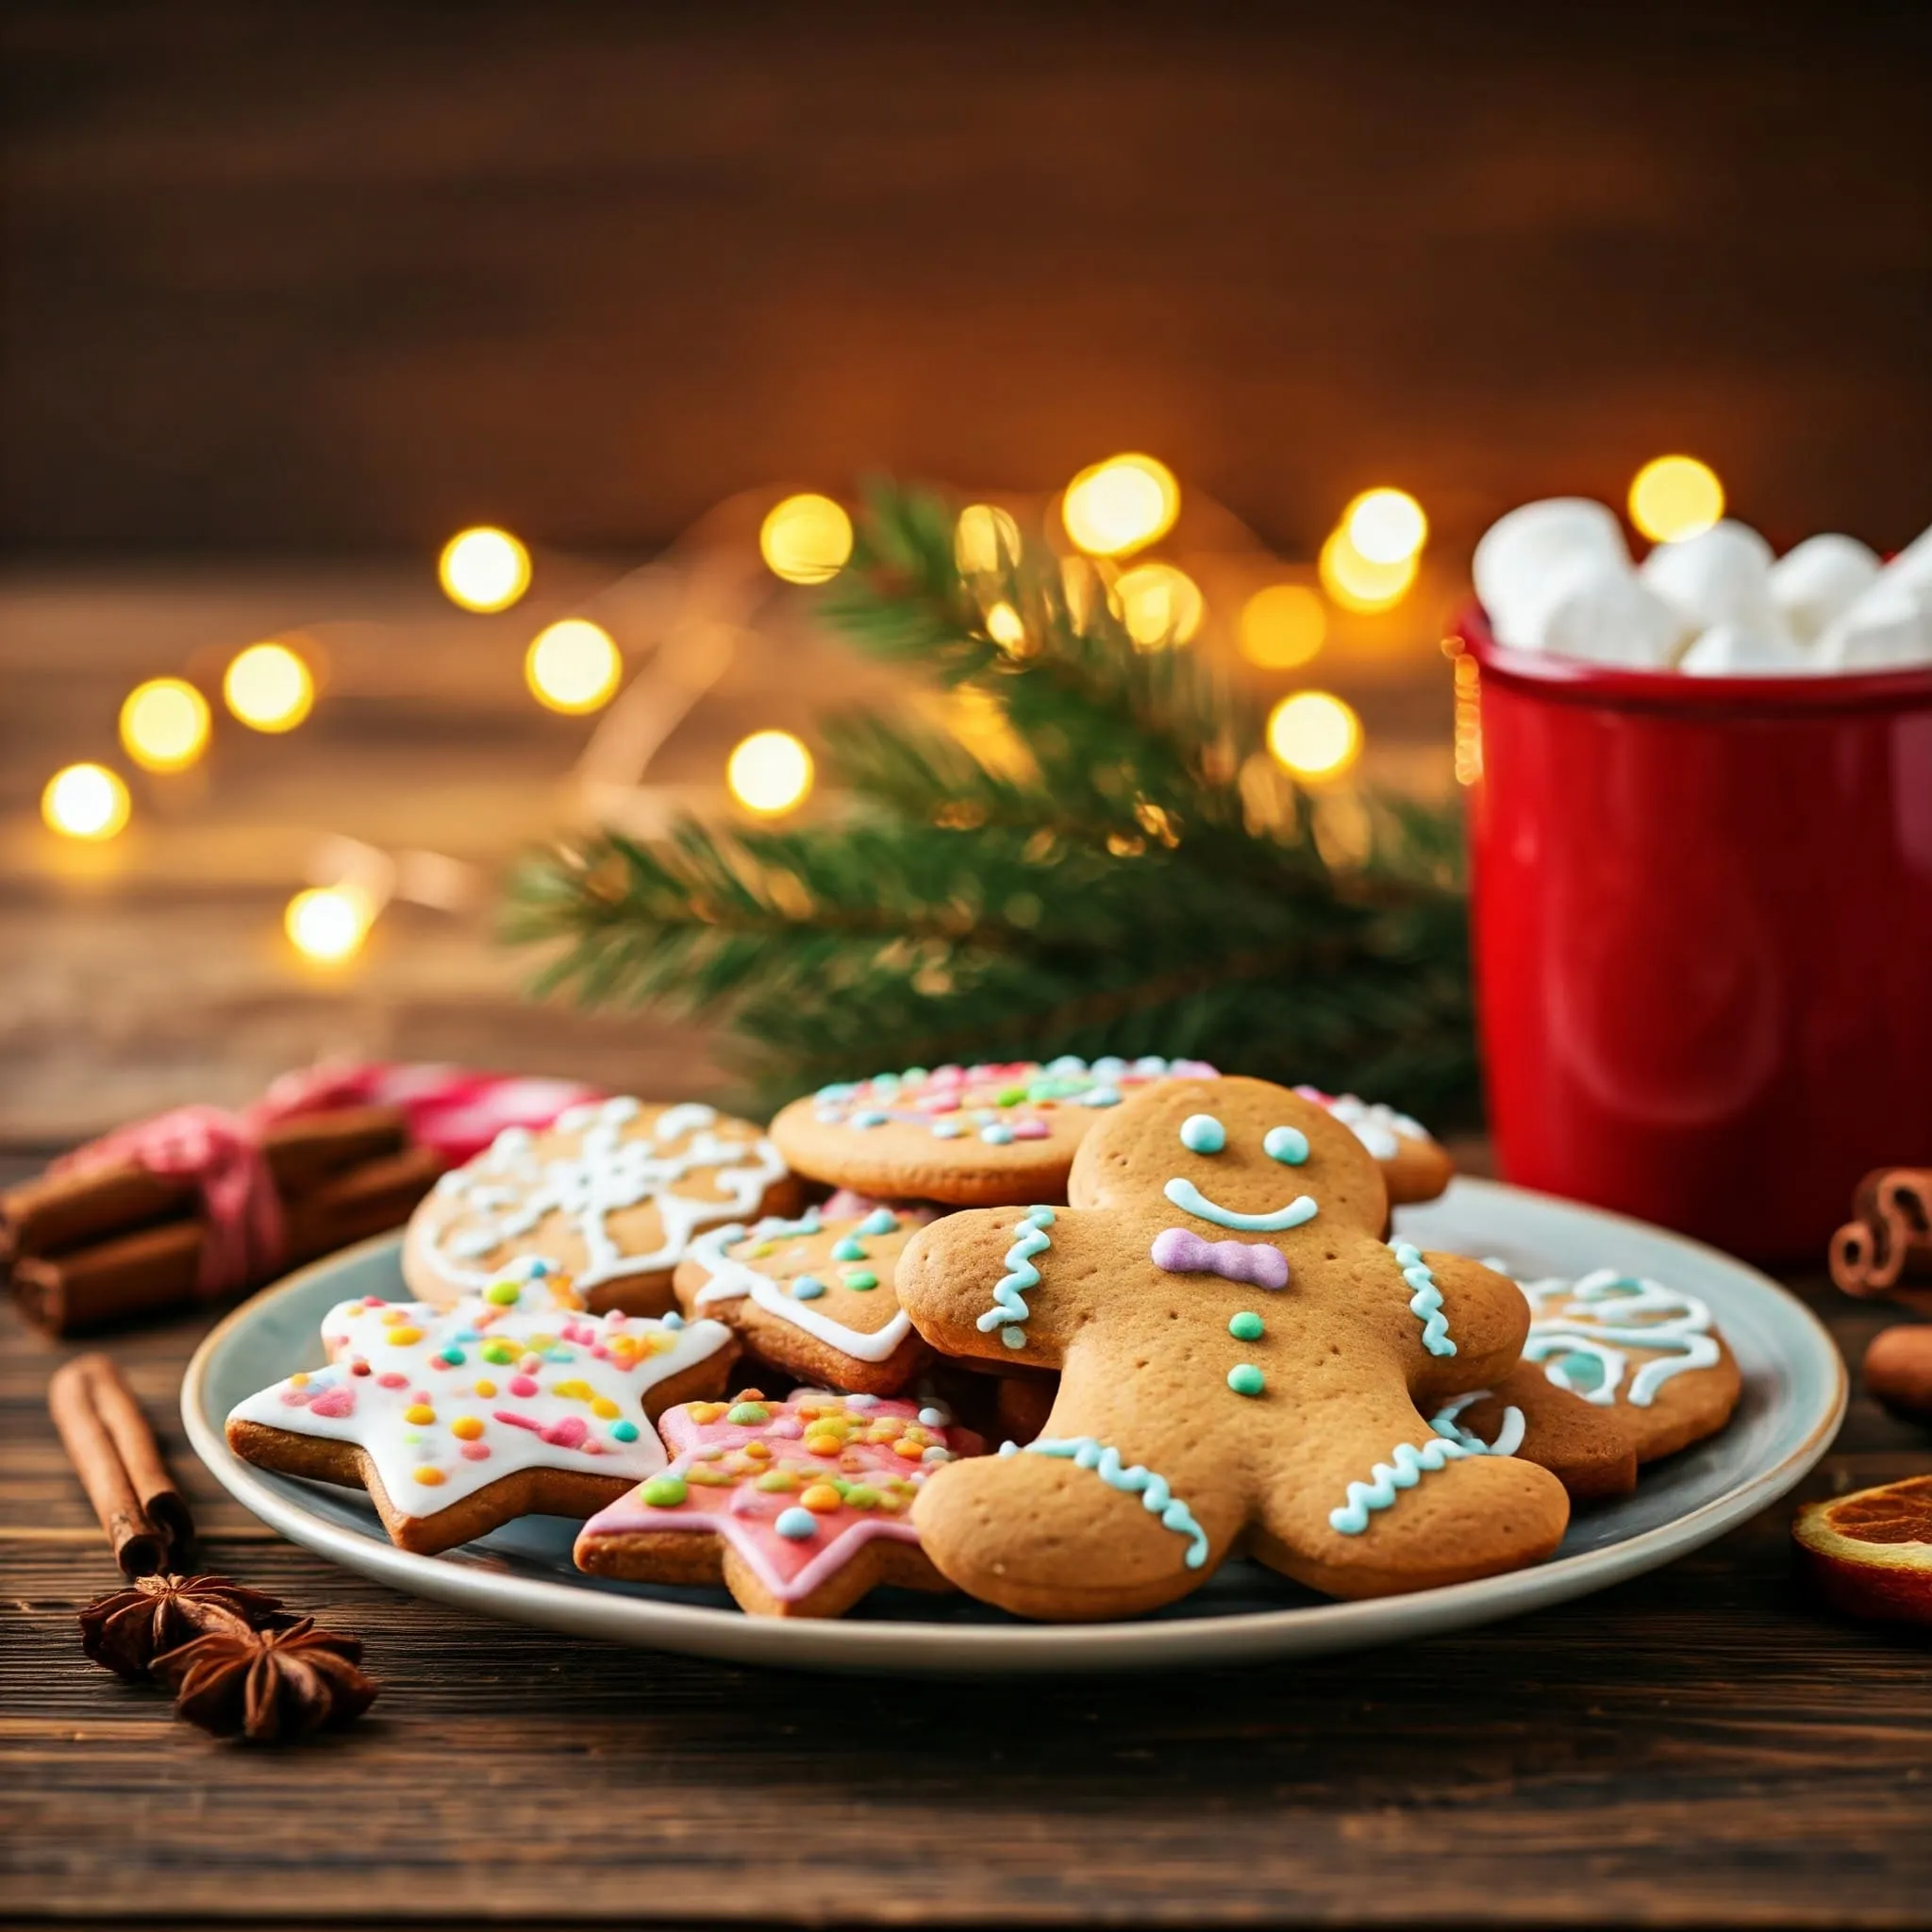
point(511, 1404)
point(612, 1196)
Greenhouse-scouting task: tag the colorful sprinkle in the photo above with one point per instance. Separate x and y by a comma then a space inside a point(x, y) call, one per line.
point(996, 1135)
point(848, 1250)
point(748, 1415)
point(860, 1279)
point(429, 1478)
point(798, 1524)
point(466, 1429)
point(665, 1491)
point(807, 1288)
point(1246, 1327)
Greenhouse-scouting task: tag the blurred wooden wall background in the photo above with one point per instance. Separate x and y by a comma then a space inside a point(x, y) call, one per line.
point(310, 278)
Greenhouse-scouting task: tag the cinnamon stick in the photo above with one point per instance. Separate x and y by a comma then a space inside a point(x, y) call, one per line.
point(116, 1457)
point(64, 1210)
point(154, 1271)
point(1890, 1242)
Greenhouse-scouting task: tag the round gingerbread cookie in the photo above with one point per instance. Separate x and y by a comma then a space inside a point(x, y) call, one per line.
point(610, 1196)
point(985, 1136)
point(1592, 1451)
point(813, 1297)
point(1414, 1163)
point(1648, 1353)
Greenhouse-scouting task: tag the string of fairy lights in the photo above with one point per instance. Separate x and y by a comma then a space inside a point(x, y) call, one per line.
point(1112, 515)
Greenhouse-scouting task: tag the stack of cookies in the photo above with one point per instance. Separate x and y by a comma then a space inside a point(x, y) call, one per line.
point(780, 1359)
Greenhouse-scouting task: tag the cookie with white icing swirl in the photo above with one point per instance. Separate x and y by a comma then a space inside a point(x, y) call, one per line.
point(611, 1196)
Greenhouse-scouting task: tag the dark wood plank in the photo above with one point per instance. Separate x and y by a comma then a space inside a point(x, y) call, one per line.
point(1697, 1747)
point(302, 278)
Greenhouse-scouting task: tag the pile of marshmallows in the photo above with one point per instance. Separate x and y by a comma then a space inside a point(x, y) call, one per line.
point(1557, 576)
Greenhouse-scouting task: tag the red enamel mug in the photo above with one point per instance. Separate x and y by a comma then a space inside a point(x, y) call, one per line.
point(1702, 921)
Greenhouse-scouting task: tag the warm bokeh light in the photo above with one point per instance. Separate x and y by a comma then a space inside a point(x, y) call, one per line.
point(1314, 735)
point(1121, 505)
point(1160, 605)
point(986, 537)
point(484, 569)
point(1356, 583)
point(85, 802)
point(573, 666)
point(327, 921)
point(268, 686)
point(1674, 497)
point(1386, 525)
point(1282, 625)
point(1005, 627)
point(807, 539)
point(769, 772)
point(164, 724)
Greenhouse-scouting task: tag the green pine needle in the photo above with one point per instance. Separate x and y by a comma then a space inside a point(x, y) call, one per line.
point(1130, 874)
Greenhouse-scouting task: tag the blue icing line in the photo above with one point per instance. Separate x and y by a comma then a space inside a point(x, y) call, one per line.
point(1426, 1302)
point(1191, 1200)
point(1084, 1452)
point(880, 1221)
point(1404, 1473)
point(1009, 1311)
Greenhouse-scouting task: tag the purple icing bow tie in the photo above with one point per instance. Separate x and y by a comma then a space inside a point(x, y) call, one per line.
point(1182, 1252)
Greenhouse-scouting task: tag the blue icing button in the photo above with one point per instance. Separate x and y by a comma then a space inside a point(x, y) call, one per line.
point(880, 1221)
point(807, 1288)
point(848, 1249)
point(674, 1320)
point(1287, 1144)
point(800, 1525)
point(946, 1130)
point(1201, 1133)
point(995, 1135)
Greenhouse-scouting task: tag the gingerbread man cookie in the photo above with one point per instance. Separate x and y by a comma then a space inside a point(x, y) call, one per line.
point(971, 1137)
point(1414, 1163)
point(1242, 1360)
point(813, 1297)
point(799, 1506)
point(610, 1195)
point(512, 1403)
point(1590, 1451)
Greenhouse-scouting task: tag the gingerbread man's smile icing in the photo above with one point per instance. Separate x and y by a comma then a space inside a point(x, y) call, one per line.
point(1191, 1200)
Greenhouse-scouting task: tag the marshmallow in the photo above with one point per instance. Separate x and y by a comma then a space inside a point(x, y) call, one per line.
point(1889, 627)
point(1913, 564)
point(1604, 615)
point(1529, 557)
point(1818, 581)
point(1722, 575)
point(1727, 650)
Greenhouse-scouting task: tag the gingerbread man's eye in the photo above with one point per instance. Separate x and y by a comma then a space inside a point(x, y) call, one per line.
point(1288, 1145)
point(1201, 1133)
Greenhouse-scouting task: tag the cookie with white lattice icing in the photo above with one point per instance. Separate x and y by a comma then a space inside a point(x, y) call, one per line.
point(813, 1297)
point(514, 1402)
point(1649, 1353)
point(1415, 1165)
point(978, 1136)
point(799, 1508)
point(612, 1195)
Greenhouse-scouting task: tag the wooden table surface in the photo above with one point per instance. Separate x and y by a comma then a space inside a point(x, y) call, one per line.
point(1700, 1746)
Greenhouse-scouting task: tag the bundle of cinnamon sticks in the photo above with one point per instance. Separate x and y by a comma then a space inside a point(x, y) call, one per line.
point(1885, 1249)
point(105, 1245)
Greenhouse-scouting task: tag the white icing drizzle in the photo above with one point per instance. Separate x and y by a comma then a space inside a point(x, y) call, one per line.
point(1602, 1315)
point(507, 1191)
point(1508, 1434)
point(735, 1280)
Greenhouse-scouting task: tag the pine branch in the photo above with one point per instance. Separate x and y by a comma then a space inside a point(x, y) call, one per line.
point(1111, 888)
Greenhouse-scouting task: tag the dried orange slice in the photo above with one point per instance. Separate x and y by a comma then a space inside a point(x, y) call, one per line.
point(1870, 1554)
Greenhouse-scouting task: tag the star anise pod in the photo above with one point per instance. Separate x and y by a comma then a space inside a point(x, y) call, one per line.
point(268, 1684)
point(128, 1630)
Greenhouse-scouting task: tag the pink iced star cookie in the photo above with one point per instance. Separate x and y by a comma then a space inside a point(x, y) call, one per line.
point(799, 1506)
point(458, 1420)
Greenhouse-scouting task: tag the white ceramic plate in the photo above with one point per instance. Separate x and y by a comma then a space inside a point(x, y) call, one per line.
point(1794, 1397)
